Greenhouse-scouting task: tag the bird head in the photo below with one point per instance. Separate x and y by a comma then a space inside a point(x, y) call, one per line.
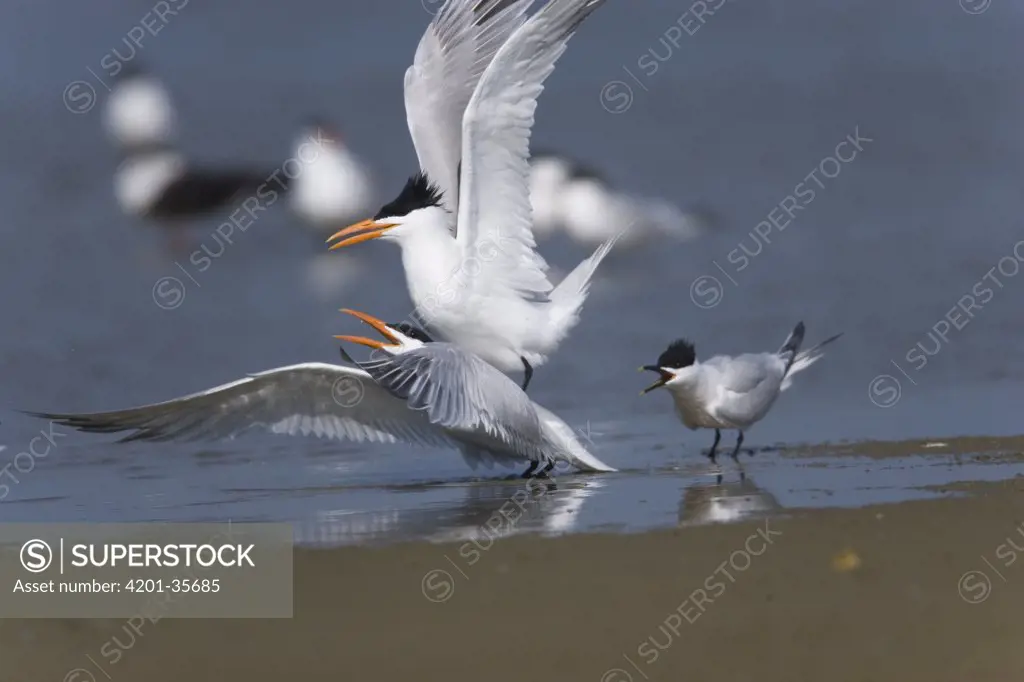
point(400, 336)
point(673, 364)
point(321, 129)
point(417, 205)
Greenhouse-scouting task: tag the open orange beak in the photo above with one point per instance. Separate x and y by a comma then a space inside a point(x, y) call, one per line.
point(360, 232)
point(373, 322)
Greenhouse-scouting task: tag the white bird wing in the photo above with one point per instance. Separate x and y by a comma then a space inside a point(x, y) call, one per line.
point(495, 214)
point(452, 55)
point(746, 384)
point(743, 373)
point(308, 399)
point(457, 390)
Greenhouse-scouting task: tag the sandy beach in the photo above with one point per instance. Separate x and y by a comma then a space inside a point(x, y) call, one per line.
point(927, 590)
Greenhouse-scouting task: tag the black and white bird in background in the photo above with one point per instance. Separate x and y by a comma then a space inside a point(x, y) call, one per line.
point(155, 180)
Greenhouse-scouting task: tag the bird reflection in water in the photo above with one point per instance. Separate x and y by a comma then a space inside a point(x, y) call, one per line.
point(488, 511)
point(705, 503)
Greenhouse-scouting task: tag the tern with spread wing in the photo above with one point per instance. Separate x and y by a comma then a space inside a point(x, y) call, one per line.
point(728, 392)
point(421, 392)
point(470, 97)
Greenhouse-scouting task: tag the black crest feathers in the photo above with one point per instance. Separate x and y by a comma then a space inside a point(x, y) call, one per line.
point(418, 192)
point(412, 331)
point(680, 353)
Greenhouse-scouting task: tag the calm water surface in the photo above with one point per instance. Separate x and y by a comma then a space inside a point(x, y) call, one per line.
point(733, 118)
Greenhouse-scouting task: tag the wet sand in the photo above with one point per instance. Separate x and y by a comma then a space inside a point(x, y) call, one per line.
point(841, 594)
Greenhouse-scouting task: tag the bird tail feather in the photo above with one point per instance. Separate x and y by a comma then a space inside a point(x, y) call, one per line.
point(805, 359)
point(790, 348)
point(566, 300)
point(565, 442)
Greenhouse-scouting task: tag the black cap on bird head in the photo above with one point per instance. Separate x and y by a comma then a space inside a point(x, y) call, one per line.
point(412, 331)
point(680, 353)
point(419, 192)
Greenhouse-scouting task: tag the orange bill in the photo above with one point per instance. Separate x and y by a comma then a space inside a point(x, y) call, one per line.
point(377, 324)
point(361, 340)
point(358, 233)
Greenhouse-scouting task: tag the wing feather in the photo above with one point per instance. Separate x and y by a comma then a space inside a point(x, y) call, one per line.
point(459, 391)
point(747, 386)
point(494, 205)
point(451, 56)
point(327, 401)
point(744, 373)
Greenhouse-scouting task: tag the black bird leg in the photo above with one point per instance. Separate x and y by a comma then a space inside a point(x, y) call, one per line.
point(529, 469)
point(528, 373)
point(547, 467)
point(736, 458)
point(714, 446)
point(736, 450)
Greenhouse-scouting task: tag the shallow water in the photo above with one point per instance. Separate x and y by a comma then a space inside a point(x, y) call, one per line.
point(733, 119)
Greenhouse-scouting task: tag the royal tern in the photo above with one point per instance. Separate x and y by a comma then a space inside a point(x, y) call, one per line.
point(154, 179)
point(572, 197)
point(422, 393)
point(728, 392)
point(470, 97)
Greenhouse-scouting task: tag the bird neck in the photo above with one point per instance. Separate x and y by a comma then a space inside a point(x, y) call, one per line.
point(687, 383)
point(432, 258)
point(690, 406)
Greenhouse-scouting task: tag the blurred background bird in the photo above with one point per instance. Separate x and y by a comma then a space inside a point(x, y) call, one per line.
point(334, 187)
point(155, 180)
point(573, 198)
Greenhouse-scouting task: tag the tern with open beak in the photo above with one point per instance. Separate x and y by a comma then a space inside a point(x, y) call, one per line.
point(421, 392)
point(470, 97)
point(728, 392)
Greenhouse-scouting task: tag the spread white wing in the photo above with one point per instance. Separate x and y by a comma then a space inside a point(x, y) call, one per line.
point(494, 202)
point(452, 55)
point(312, 398)
point(457, 390)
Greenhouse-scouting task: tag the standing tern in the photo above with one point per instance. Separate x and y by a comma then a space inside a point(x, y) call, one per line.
point(470, 97)
point(425, 393)
point(728, 392)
